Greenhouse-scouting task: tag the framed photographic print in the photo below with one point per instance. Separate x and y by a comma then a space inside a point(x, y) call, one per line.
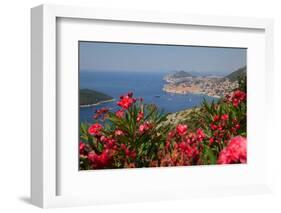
point(130, 106)
point(139, 107)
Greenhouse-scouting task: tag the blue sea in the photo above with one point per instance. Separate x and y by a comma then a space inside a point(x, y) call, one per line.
point(147, 85)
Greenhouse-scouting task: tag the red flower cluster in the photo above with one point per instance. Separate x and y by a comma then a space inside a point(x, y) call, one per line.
point(107, 146)
point(200, 135)
point(140, 116)
point(95, 129)
point(109, 143)
point(118, 132)
point(137, 137)
point(181, 129)
point(120, 113)
point(128, 153)
point(144, 127)
point(234, 152)
point(190, 150)
point(126, 101)
point(186, 148)
point(223, 128)
point(82, 147)
point(100, 113)
point(100, 161)
point(224, 117)
point(237, 97)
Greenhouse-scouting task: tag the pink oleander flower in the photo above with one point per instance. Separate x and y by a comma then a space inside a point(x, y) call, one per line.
point(171, 134)
point(101, 160)
point(123, 146)
point(234, 152)
point(120, 113)
point(167, 144)
point(101, 112)
point(213, 126)
point(191, 151)
point(118, 132)
point(240, 95)
point(92, 156)
point(126, 101)
point(127, 152)
point(237, 126)
point(211, 140)
point(140, 116)
point(200, 135)
point(82, 147)
point(95, 129)
point(104, 157)
point(144, 127)
point(237, 97)
point(216, 118)
point(108, 142)
point(224, 117)
point(181, 129)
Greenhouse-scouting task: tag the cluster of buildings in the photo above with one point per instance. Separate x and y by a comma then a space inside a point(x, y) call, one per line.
point(211, 86)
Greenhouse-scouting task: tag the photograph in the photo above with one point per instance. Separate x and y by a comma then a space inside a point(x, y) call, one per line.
point(161, 105)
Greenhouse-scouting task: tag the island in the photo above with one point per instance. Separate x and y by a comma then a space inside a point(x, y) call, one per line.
point(89, 97)
point(182, 82)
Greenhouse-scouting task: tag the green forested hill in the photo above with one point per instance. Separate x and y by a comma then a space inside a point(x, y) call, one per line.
point(88, 96)
point(236, 75)
point(181, 74)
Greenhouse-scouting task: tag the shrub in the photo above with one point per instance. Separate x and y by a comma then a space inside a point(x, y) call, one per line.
point(138, 135)
point(130, 137)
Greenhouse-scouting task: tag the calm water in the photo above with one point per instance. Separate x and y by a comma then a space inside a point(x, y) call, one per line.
point(144, 84)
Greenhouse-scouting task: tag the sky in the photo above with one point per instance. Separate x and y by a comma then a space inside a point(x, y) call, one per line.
point(102, 56)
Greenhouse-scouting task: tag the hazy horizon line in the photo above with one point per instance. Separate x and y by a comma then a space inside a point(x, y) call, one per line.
point(163, 71)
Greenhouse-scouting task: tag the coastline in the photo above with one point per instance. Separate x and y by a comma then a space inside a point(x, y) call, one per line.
point(215, 87)
point(190, 92)
point(96, 104)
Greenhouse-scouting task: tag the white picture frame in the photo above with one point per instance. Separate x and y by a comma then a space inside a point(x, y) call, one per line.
point(45, 178)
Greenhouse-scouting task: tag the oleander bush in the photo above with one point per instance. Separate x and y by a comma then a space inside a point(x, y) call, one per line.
point(138, 135)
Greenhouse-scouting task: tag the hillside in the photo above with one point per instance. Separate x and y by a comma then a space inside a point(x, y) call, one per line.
point(89, 97)
point(181, 74)
point(177, 77)
point(234, 76)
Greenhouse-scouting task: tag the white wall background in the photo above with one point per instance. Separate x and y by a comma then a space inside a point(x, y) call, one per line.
point(15, 104)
